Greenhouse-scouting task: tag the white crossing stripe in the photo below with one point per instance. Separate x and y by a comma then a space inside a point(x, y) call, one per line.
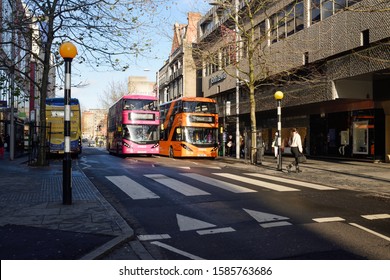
point(376, 216)
point(258, 183)
point(132, 188)
point(176, 185)
point(218, 183)
point(290, 181)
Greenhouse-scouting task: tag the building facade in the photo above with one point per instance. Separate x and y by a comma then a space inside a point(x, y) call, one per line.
point(178, 77)
point(94, 124)
point(331, 59)
point(140, 85)
point(14, 69)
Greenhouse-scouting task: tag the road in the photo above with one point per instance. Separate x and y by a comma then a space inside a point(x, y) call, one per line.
point(200, 209)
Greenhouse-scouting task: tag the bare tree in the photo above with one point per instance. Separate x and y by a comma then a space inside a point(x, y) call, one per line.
point(112, 93)
point(239, 47)
point(107, 33)
point(249, 42)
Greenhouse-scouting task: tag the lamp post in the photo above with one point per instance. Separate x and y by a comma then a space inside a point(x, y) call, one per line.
point(279, 96)
point(68, 51)
point(237, 73)
point(237, 80)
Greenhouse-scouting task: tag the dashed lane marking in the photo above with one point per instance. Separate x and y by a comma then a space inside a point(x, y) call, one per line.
point(328, 219)
point(147, 237)
point(371, 231)
point(177, 251)
point(376, 216)
point(215, 231)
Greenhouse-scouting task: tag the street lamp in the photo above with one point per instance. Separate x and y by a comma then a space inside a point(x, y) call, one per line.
point(68, 51)
point(279, 96)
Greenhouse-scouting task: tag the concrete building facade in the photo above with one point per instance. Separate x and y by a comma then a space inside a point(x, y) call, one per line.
point(331, 59)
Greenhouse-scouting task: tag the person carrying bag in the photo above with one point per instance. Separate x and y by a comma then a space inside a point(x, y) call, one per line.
point(295, 143)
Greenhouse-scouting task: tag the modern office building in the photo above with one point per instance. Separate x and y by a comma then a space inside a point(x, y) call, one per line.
point(331, 59)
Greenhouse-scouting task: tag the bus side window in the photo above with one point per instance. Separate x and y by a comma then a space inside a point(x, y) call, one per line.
point(177, 134)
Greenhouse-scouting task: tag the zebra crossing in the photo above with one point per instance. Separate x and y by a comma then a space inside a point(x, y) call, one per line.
point(256, 181)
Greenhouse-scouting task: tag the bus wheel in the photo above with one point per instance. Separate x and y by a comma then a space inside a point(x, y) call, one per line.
point(171, 152)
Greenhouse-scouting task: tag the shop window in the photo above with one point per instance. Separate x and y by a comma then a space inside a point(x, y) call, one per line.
point(360, 137)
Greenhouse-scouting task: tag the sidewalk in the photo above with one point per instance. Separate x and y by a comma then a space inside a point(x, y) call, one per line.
point(367, 177)
point(34, 224)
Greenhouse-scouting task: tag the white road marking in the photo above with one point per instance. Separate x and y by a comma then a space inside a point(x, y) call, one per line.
point(263, 217)
point(328, 219)
point(218, 183)
point(275, 224)
point(175, 250)
point(187, 223)
point(132, 188)
point(376, 216)
point(371, 231)
point(146, 237)
point(258, 183)
point(176, 185)
point(215, 231)
point(290, 181)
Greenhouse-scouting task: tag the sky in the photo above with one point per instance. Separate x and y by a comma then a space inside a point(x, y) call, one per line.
point(98, 82)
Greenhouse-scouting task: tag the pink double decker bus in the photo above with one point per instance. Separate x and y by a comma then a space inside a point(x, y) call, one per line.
point(133, 125)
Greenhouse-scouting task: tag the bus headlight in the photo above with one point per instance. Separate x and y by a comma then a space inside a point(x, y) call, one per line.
point(186, 147)
point(126, 145)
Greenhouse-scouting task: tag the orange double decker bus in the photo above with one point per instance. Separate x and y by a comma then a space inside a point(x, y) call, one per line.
point(189, 128)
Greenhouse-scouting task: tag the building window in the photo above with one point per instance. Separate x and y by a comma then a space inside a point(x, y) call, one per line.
point(326, 9)
point(305, 58)
point(273, 28)
point(353, 2)
point(290, 17)
point(262, 31)
point(322, 9)
point(287, 21)
point(365, 38)
point(281, 25)
point(339, 5)
point(299, 16)
point(315, 11)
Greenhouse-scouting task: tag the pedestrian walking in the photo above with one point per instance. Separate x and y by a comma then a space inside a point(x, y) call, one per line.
point(275, 145)
point(295, 144)
point(1, 147)
point(229, 146)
